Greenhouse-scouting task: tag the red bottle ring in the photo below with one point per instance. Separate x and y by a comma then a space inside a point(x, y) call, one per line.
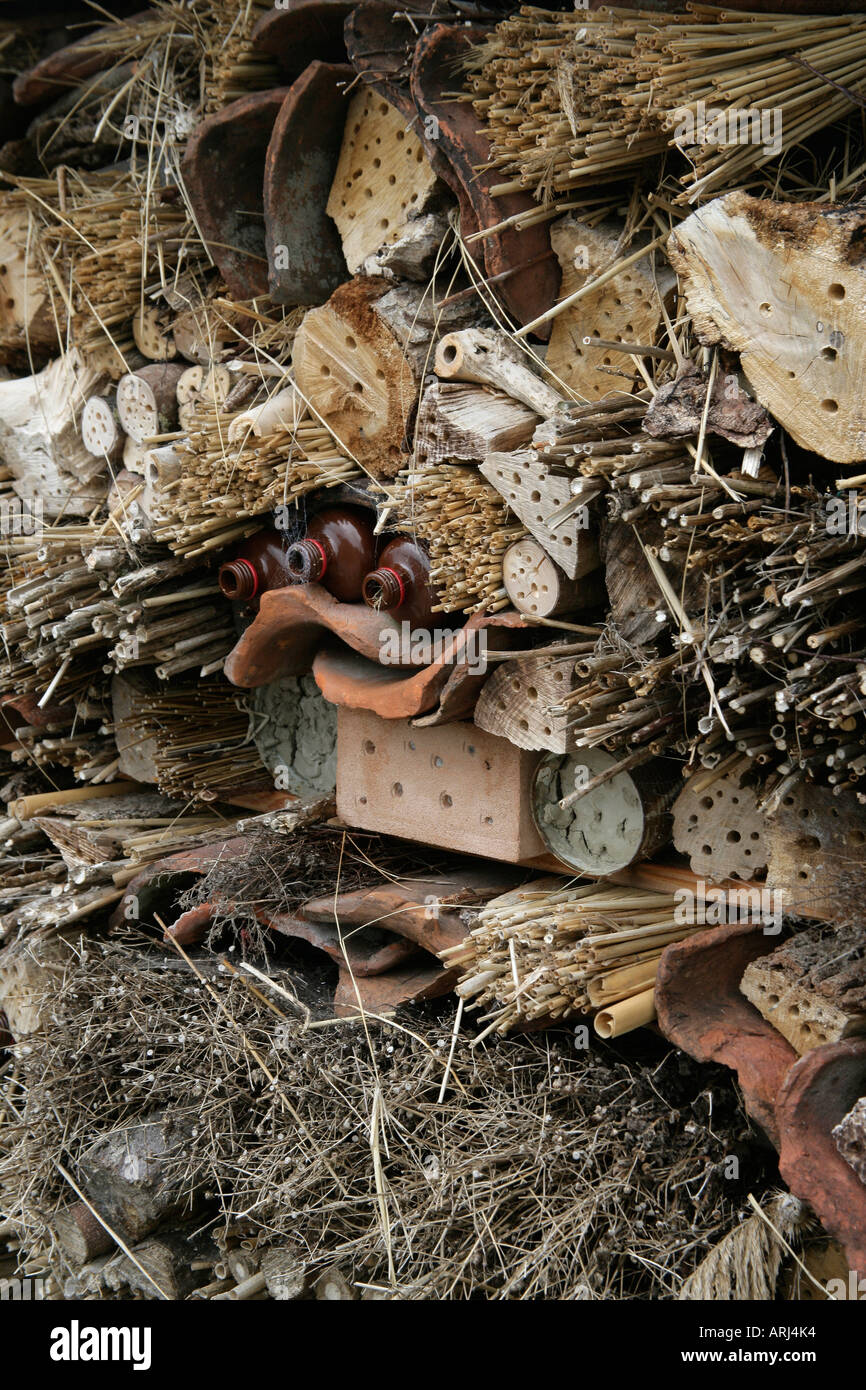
point(402, 599)
point(253, 572)
point(322, 552)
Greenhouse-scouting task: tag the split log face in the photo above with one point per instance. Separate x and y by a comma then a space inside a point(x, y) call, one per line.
point(785, 286)
point(27, 319)
point(465, 423)
point(720, 827)
point(101, 434)
point(147, 400)
point(151, 338)
point(354, 373)
point(515, 702)
point(534, 495)
point(626, 309)
point(382, 180)
point(539, 588)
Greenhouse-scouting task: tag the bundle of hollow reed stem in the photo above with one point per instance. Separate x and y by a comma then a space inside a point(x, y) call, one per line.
point(466, 527)
point(776, 617)
point(232, 65)
point(203, 738)
point(103, 237)
point(552, 949)
point(168, 615)
point(47, 607)
point(569, 100)
point(621, 700)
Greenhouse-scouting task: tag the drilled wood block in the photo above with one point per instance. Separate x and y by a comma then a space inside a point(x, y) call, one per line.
point(382, 178)
point(536, 496)
point(451, 785)
point(720, 827)
point(626, 309)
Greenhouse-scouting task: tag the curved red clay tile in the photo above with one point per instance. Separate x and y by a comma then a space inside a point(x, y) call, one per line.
point(463, 686)
point(387, 992)
point(818, 1091)
point(381, 51)
point(67, 66)
point(290, 627)
point(701, 1009)
point(299, 169)
point(302, 31)
point(525, 259)
point(353, 682)
point(223, 170)
point(368, 957)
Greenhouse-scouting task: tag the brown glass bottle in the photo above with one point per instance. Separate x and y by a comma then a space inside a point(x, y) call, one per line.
point(338, 550)
point(400, 585)
point(259, 565)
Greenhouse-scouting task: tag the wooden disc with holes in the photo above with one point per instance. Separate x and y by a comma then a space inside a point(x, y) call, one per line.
point(101, 434)
point(539, 588)
point(720, 828)
point(383, 178)
point(352, 370)
point(147, 400)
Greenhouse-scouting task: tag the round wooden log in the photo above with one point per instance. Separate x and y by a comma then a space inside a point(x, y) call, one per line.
point(539, 588)
point(101, 433)
point(147, 400)
point(80, 1235)
point(351, 368)
point(626, 818)
point(151, 339)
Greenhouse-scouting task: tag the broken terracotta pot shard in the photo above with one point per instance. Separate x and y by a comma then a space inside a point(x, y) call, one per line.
point(304, 251)
point(223, 170)
point(528, 271)
point(291, 626)
point(301, 32)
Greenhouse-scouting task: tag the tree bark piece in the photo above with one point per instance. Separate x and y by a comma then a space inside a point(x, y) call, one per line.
point(125, 1174)
point(351, 368)
point(785, 286)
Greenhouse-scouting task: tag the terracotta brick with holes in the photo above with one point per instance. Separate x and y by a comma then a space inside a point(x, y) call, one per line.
point(453, 786)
